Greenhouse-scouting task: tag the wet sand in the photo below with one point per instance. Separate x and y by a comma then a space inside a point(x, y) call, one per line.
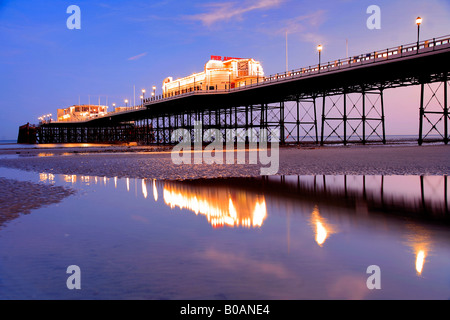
point(18, 197)
point(156, 163)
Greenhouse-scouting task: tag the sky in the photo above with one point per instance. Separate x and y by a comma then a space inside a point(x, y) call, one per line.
point(125, 46)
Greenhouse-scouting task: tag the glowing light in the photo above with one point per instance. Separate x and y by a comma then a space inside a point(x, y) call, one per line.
point(128, 184)
point(419, 21)
point(70, 178)
point(144, 189)
point(321, 228)
point(155, 191)
point(220, 206)
point(321, 233)
point(420, 261)
point(115, 182)
point(319, 47)
point(259, 214)
point(419, 240)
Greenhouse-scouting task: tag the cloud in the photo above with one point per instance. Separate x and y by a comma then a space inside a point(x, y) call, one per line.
point(302, 23)
point(138, 56)
point(243, 262)
point(226, 11)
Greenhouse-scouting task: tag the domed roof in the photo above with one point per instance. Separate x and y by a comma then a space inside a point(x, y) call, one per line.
point(214, 64)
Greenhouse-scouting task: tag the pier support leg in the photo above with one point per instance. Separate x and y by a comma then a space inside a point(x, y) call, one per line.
point(433, 111)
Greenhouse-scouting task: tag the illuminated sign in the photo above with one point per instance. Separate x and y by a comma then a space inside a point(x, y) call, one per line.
point(231, 58)
point(219, 58)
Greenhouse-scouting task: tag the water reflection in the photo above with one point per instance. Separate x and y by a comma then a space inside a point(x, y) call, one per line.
point(222, 206)
point(322, 229)
point(419, 240)
point(242, 201)
point(330, 203)
point(155, 191)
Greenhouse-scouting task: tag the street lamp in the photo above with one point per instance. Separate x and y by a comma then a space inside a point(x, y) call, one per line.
point(126, 102)
point(418, 22)
point(143, 93)
point(142, 101)
point(154, 91)
point(319, 49)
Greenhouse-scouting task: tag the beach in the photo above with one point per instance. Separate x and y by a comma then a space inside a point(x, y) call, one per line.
point(156, 162)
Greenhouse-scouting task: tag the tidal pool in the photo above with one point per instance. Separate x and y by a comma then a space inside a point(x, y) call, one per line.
point(282, 237)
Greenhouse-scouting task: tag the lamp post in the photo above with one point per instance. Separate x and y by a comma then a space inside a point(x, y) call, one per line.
point(154, 91)
point(126, 103)
point(418, 22)
point(143, 93)
point(142, 101)
point(319, 49)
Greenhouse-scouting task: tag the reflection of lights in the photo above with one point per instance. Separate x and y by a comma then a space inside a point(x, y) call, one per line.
point(128, 184)
point(418, 240)
point(42, 155)
point(321, 233)
point(420, 260)
point(46, 177)
point(259, 214)
point(155, 191)
point(144, 189)
point(220, 206)
point(70, 178)
point(115, 182)
point(321, 228)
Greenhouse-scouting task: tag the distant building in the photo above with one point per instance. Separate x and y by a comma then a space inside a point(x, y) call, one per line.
point(81, 112)
point(219, 74)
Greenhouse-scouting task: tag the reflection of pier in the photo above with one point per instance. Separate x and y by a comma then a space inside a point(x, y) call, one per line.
point(242, 201)
point(414, 196)
point(221, 205)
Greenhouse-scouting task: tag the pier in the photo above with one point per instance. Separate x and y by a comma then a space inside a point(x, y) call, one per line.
point(348, 93)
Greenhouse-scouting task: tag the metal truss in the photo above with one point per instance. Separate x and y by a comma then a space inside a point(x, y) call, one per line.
point(433, 112)
point(353, 116)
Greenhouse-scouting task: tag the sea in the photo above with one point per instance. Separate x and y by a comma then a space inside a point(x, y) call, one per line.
point(12, 144)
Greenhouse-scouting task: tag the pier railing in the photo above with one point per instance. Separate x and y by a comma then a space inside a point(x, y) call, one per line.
point(388, 54)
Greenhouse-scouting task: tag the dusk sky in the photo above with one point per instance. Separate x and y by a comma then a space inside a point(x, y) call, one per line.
point(121, 44)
